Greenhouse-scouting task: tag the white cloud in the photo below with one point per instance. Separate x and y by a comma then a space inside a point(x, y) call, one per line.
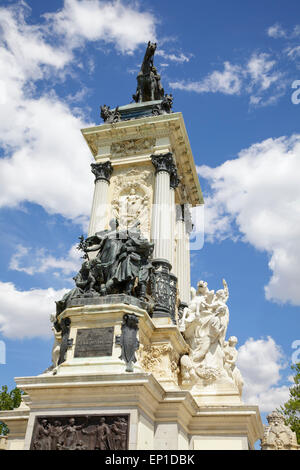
point(293, 52)
point(46, 159)
point(276, 31)
point(112, 22)
point(260, 362)
point(255, 78)
point(180, 58)
point(40, 261)
point(259, 68)
point(26, 314)
point(227, 81)
point(258, 193)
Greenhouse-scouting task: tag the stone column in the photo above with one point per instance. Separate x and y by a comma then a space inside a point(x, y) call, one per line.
point(164, 284)
point(98, 220)
point(161, 217)
point(183, 229)
point(174, 182)
point(162, 229)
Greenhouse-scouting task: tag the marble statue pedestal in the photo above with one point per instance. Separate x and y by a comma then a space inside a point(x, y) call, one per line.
point(158, 419)
point(161, 412)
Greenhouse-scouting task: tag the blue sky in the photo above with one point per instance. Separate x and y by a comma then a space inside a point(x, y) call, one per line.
point(230, 66)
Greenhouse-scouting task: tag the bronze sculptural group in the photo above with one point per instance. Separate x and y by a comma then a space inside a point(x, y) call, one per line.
point(149, 87)
point(80, 433)
point(121, 265)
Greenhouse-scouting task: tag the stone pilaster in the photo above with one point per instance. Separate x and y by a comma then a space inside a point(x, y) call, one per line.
point(98, 220)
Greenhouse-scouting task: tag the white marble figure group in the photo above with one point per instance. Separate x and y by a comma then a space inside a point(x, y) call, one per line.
point(204, 324)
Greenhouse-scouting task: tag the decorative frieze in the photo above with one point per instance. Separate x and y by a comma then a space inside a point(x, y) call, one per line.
point(132, 146)
point(78, 432)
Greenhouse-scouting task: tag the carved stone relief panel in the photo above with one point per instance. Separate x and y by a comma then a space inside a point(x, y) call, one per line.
point(81, 432)
point(132, 146)
point(160, 359)
point(131, 197)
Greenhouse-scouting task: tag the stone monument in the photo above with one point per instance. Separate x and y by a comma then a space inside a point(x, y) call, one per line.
point(277, 435)
point(140, 359)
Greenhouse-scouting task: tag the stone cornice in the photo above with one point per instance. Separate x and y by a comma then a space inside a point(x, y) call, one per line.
point(100, 138)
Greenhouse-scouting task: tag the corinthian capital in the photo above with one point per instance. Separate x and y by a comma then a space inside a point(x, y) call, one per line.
point(163, 162)
point(102, 171)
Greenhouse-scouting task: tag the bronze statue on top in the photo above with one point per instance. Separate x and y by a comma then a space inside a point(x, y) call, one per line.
point(149, 86)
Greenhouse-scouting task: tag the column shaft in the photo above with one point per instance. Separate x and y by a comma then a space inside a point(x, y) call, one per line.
point(98, 220)
point(161, 220)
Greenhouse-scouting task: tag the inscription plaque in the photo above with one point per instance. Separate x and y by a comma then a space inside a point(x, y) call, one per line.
point(94, 342)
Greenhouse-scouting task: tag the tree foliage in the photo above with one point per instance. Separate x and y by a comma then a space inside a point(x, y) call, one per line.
point(291, 409)
point(9, 401)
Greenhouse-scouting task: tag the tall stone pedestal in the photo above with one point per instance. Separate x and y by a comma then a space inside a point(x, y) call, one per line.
point(158, 412)
point(157, 419)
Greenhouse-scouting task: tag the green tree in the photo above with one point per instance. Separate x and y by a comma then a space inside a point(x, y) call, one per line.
point(291, 409)
point(9, 401)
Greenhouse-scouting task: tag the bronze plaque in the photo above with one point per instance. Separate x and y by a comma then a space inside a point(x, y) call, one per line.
point(81, 432)
point(94, 342)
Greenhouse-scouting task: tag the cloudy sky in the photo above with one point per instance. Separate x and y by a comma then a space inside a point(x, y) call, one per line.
point(234, 70)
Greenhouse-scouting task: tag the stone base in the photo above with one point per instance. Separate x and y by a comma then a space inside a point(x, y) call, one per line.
point(161, 412)
point(158, 419)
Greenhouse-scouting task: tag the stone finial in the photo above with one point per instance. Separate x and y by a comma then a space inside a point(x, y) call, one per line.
point(102, 171)
point(277, 435)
